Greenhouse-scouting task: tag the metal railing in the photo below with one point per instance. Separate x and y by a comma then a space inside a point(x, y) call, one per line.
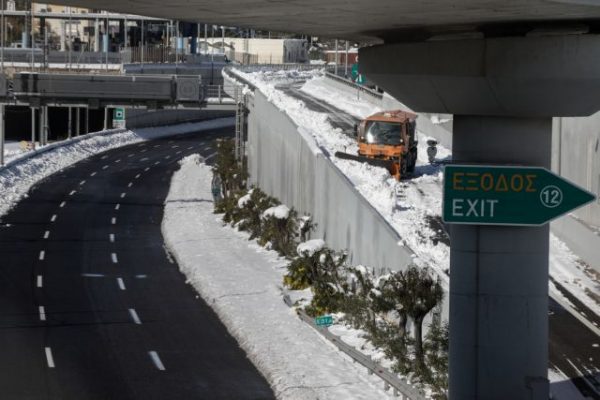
point(399, 386)
point(368, 91)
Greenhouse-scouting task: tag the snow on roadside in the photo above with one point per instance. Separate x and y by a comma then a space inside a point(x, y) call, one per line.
point(243, 284)
point(22, 172)
point(414, 216)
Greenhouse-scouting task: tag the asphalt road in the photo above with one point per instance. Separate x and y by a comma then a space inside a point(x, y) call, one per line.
point(91, 304)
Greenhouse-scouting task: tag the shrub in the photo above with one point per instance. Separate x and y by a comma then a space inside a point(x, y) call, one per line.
point(231, 173)
point(279, 227)
point(250, 209)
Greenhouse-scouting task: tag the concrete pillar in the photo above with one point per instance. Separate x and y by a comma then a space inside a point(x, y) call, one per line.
point(77, 121)
point(33, 144)
point(87, 120)
point(97, 36)
point(499, 275)
point(503, 92)
point(63, 44)
point(2, 134)
point(41, 126)
point(70, 123)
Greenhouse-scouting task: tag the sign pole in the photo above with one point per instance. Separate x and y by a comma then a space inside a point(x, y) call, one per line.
point(499, 275)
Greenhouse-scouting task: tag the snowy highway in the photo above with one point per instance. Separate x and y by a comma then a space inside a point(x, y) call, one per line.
point(93, 307)
point(574, 348)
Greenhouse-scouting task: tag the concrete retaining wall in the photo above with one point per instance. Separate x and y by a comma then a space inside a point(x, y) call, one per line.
point(146, 118)
point(287, 163)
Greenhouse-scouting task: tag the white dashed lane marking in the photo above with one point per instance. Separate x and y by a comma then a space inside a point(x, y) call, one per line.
point(46, 234)
point(147, 169)
point(72, 192)
point(130, 184)
point(42, 311)
point(93, 275)
point(123, 195)
point(63, 204)
point(138, 176)
point(40, 281)
point(105, 167)
point(114, 258)
point(121, 284)
point(82, 183)
point(111, 237)
point(117, 207)
point(42, 255)
point(113, 221)
point(156, 360)
point(53, 219)
point(93, 174)
point(135, 317)
point(49, 357)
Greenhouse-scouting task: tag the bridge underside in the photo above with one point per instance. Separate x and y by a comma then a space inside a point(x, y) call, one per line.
point(364, 20)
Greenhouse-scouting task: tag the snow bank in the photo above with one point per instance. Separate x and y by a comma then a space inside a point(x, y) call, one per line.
point(279, 212)
point(242, 283)
point(310, 248)
point(22, 172)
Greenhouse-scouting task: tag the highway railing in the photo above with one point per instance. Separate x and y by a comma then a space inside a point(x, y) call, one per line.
point(362, 89)
point(399, 386)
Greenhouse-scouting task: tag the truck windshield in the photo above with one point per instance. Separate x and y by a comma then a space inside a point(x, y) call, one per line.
point(383, 133)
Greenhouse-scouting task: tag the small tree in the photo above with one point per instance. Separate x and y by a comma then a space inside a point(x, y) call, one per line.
point(436, 358)
point(327, 287)
point(251, 208)
point(422, 293)
point(233, 174)
point(280, 228)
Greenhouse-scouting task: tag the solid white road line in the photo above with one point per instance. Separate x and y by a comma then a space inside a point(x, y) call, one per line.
point(121, 284)
point(49, 357)
point(63, 204)
point(46, 234)
point(53, 219)
point(40, 281)
point(111, 237)
point(156, 360)
point(114, 258)
point(113, 221)
point(42, 313)
point(135, 317)
point(42, 255)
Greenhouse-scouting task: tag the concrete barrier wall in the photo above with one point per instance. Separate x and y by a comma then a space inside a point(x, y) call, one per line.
point(146, 118)
point(286, 163)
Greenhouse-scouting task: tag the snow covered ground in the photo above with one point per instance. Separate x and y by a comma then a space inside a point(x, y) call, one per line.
point(243, 283)
point(26, 168)
point(412, 207)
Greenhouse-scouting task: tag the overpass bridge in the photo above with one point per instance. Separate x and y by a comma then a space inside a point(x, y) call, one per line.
point(504, 69)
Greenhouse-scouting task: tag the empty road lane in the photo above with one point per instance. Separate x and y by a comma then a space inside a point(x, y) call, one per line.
point(91, 304)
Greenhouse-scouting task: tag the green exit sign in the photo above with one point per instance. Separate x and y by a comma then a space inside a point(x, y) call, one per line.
point(492, 195)
point(326, 320)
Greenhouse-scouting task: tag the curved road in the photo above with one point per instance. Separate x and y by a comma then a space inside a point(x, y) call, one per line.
point(91, 304)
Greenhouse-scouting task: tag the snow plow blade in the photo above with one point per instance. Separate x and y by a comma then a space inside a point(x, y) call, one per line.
point(388, 164)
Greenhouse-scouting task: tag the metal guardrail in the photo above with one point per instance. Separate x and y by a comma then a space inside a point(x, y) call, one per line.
point(370, 92)
point(391, 381)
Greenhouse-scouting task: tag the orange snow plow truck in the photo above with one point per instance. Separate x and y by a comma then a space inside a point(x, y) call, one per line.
point(387, 139)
